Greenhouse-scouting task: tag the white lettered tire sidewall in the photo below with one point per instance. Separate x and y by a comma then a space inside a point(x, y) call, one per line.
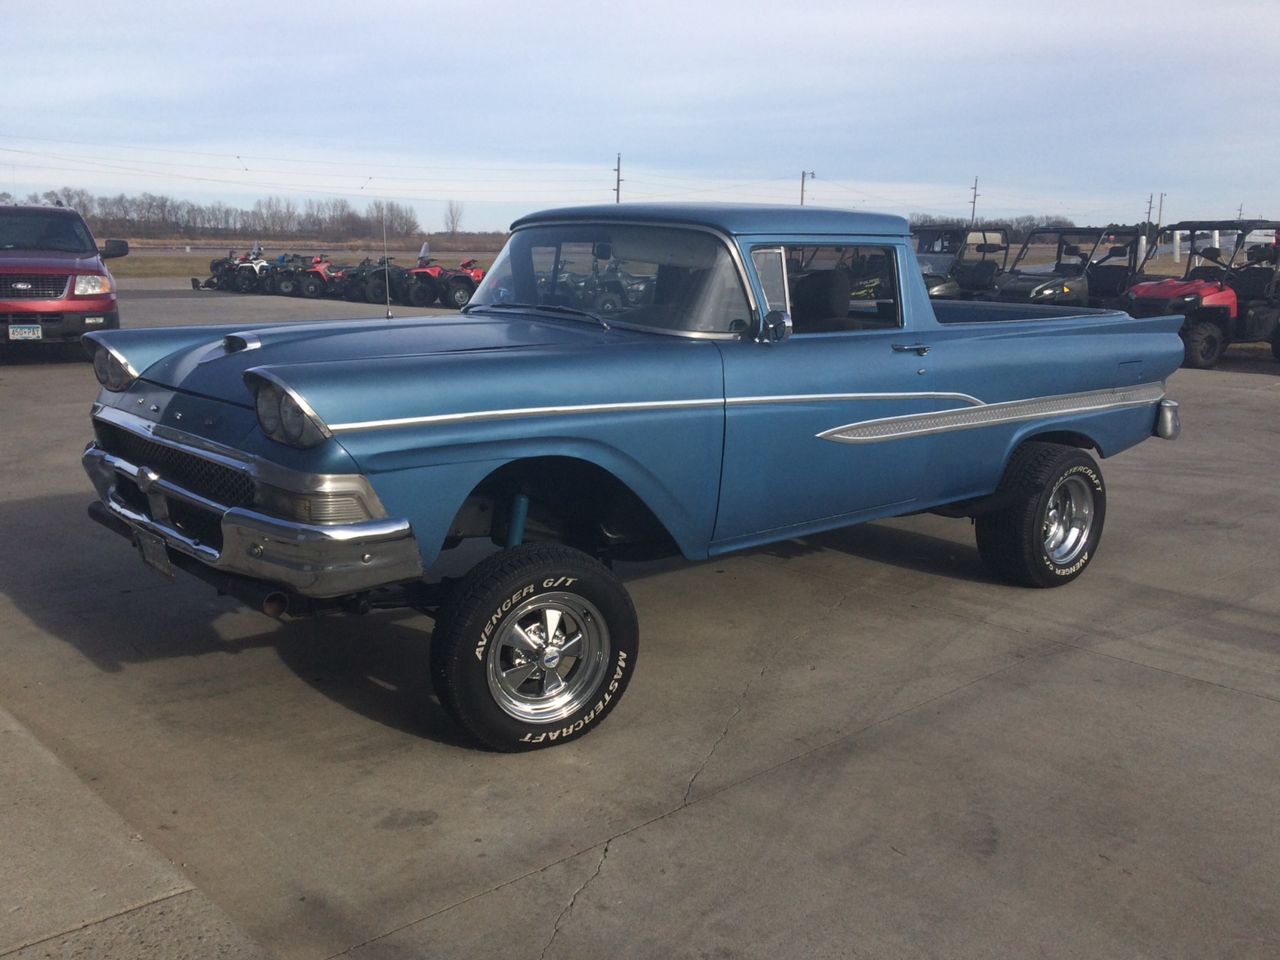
point(475, 639)
point(1086, 469)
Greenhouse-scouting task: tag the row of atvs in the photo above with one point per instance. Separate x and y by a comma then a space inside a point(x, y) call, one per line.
point(370, 280)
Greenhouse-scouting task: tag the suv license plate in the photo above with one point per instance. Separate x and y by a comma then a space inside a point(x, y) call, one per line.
point(154, 553)
point(26, 331)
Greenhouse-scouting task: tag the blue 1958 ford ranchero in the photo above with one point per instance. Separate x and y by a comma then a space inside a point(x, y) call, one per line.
point(628, 381)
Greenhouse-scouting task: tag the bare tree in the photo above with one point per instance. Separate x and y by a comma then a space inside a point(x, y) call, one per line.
point(453, 217)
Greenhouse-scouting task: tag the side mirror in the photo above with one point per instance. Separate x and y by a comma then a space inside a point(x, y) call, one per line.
point(1070, 250)
point(989, 247)
point(602, 251)
point(115, 248)
point(1119, 252)
point(777, 326)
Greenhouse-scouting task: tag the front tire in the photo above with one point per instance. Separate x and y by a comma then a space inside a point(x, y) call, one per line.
point(1203, 345)
point(312, 287)
point(536, 647)
point(1049, 529)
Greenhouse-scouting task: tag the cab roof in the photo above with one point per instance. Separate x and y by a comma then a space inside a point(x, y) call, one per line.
point(733, 218)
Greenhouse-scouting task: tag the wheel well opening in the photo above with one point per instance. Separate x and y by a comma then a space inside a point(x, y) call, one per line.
point(1068, 438)
point(571, 501)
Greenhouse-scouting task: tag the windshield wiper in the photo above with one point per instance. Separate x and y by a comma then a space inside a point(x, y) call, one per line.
point(545, 307)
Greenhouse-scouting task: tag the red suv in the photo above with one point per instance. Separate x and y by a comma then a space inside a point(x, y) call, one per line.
point(53, 283)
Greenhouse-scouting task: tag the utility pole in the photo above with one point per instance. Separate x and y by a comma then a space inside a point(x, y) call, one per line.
point(804, 175)
point(1151, 202)
point(973, 204)
point(617, 181)
point(1160, 211)
point(1240, 212)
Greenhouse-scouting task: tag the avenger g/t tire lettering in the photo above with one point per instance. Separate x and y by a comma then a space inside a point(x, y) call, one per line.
point(1048, 530)
point(536, 647)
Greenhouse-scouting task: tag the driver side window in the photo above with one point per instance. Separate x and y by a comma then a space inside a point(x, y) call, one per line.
point(835, 289)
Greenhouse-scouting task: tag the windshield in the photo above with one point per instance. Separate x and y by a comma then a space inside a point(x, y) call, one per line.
point(659, 278)
point(1055, 254)
point(44, 230)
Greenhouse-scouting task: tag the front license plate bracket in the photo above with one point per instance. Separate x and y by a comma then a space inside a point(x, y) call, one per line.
point(154, 553)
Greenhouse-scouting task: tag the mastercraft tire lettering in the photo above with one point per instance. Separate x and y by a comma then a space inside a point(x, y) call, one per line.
point(536, 647)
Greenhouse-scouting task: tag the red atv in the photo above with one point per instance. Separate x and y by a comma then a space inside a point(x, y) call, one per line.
point(321, 278)
point(1225, 299)
point(429, 281)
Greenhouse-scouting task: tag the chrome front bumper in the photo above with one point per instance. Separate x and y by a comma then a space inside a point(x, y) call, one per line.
point(313, 560)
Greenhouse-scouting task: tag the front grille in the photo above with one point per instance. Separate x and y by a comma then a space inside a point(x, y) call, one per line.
point(30, 318)
point(34, 286)
point(213, 481)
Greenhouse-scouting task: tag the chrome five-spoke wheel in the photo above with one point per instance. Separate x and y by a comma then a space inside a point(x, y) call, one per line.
point(549, 657)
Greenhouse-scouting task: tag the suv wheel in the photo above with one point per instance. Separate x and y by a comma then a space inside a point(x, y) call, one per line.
point(536, 647)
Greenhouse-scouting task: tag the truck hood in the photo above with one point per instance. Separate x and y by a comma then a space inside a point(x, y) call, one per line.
point(211, 361)
point(48, 261)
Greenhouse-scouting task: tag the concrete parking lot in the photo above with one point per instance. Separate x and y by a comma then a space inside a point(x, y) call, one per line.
point(853, 745)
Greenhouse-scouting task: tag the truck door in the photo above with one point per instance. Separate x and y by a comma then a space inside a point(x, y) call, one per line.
point(791, 463)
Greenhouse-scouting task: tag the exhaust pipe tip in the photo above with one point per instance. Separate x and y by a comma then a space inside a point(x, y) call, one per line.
point(275, 605)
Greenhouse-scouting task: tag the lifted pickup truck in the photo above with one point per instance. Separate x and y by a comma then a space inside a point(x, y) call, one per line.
point(53, 283)
point(784, 373)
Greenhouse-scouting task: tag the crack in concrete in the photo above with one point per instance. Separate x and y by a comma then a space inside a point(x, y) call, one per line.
point(555, 932)
point(742, 702)
point(1054, 649)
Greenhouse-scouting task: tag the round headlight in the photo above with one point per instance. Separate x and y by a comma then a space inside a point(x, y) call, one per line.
point(293, 421)
point(101, 365)
point(267, 403)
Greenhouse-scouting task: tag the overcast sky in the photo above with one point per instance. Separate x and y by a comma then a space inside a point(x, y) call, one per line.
point(1081, 109)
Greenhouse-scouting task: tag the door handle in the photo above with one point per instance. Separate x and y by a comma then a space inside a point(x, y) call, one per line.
point(919, 349)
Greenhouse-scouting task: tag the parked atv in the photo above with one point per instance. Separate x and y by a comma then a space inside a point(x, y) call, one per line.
point(946, 256)
point(281, 275)
point(222, 273)
point(250, 269)
point(382, 275)
point(430, 281)
point(1225, 298)
point(319, 278)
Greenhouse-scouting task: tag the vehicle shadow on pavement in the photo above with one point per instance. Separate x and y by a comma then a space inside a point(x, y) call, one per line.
point(72, 580)
point(907, 549)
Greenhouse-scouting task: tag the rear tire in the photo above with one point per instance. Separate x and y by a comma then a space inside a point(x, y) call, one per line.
point(246, 281)
point(1049, 529)
point(287, 285)
point(536, 647)
point(375, 290)
point(1203, 345)
point(312, 287)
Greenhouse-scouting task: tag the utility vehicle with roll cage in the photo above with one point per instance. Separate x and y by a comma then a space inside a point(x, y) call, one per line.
point(960, 262)
point(1079, 266)
point(784, 374)
point(1225, 297)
